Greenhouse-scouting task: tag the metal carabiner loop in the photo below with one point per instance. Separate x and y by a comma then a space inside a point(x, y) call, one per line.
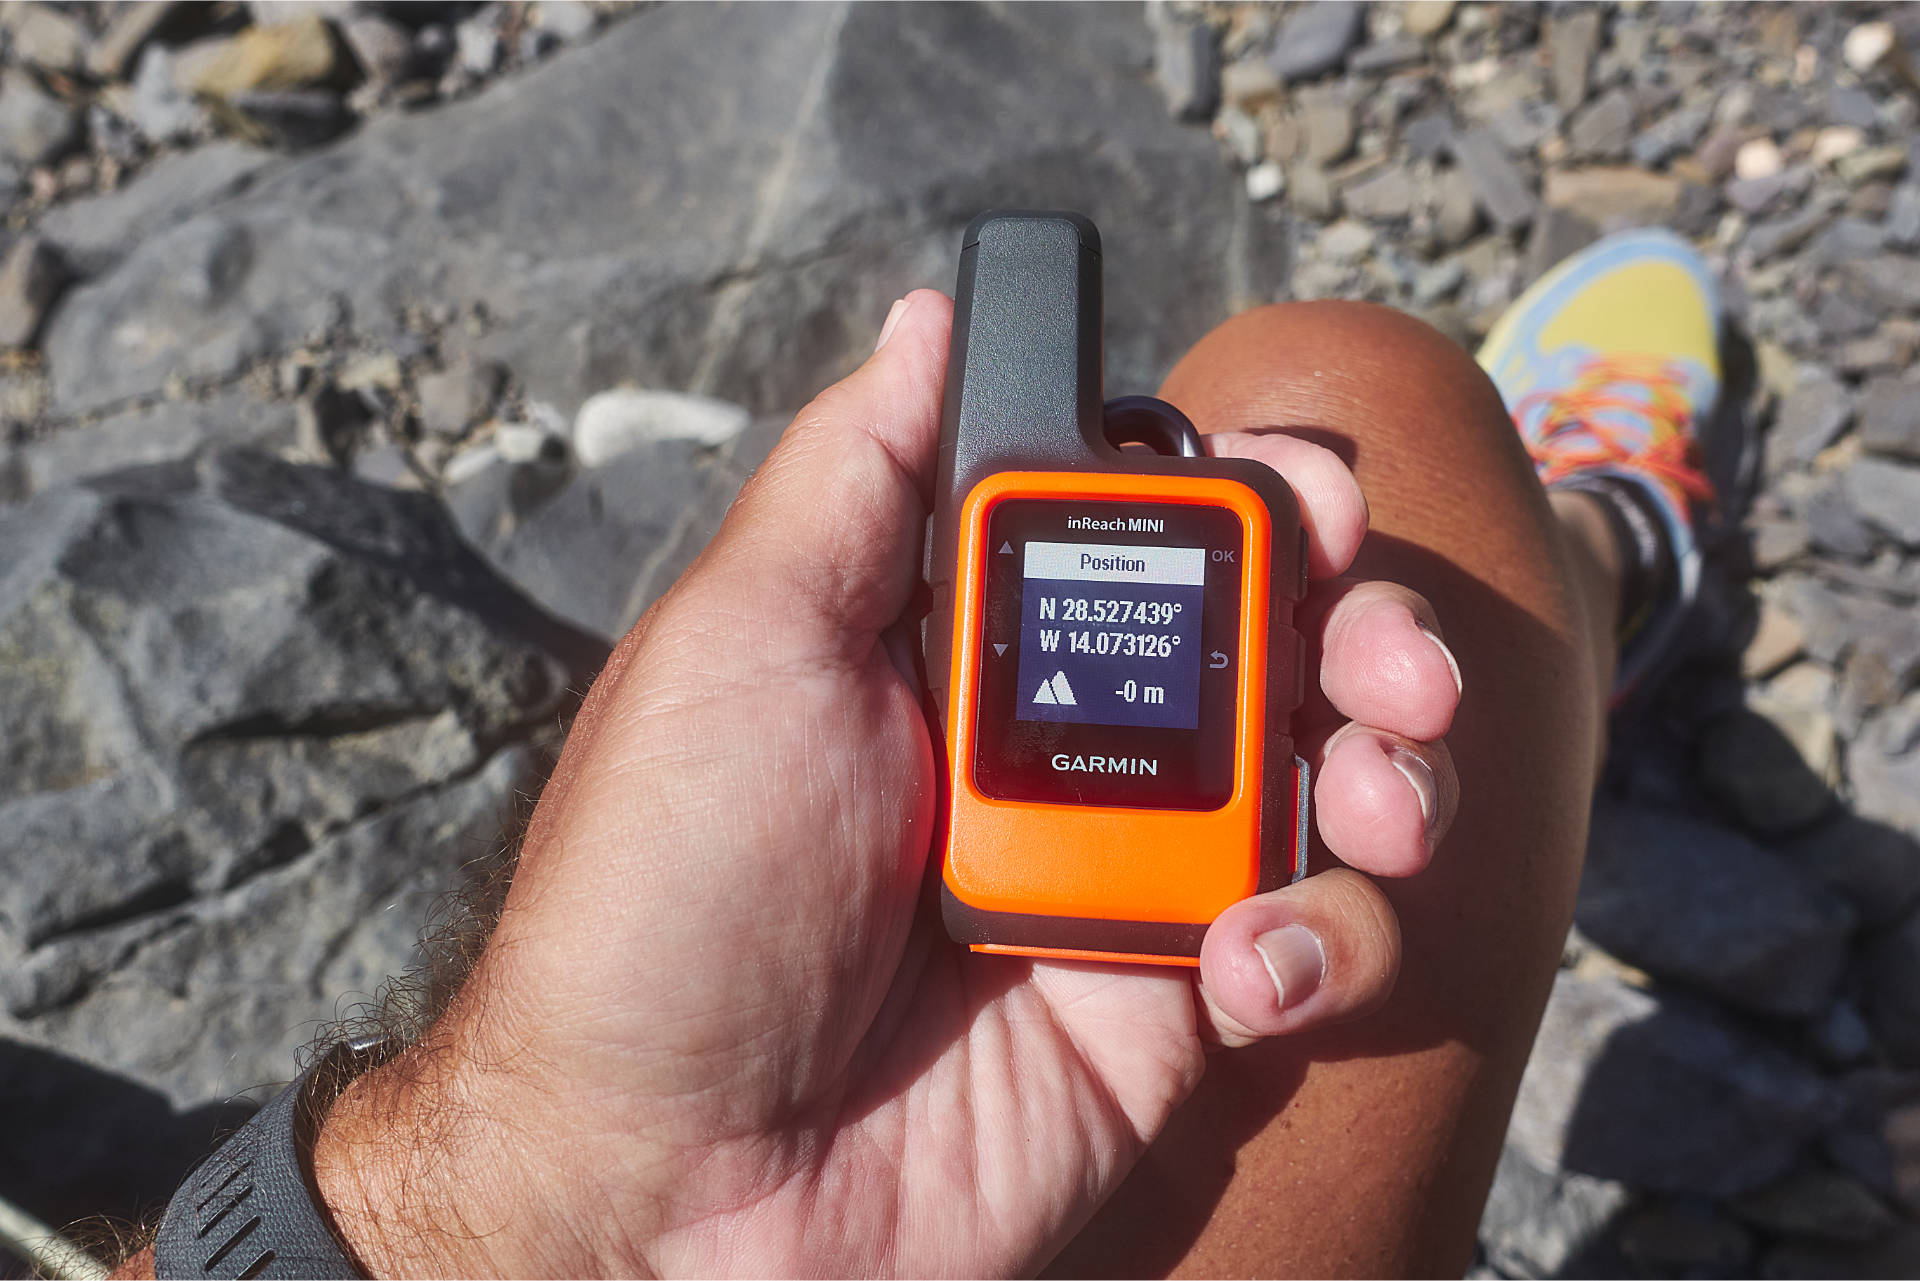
point(1149, 421)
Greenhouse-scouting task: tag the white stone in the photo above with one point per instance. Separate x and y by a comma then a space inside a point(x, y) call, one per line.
point(613, 422)
point(1836, 141)
point(1759, 158)
point(469, 463)
point(1867, 44)
point(1265, 181)
point(524, 443)
point(1346, 241)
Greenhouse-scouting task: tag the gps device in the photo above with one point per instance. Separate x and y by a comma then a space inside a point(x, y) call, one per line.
point(1110, 649)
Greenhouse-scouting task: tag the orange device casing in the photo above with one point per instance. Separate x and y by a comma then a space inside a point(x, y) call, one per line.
point(1108, 862)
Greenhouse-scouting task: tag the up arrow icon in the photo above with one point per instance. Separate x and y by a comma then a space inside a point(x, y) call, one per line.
point(1006, 549)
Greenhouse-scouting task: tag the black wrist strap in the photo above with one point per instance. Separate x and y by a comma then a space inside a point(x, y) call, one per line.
point(250, 1209)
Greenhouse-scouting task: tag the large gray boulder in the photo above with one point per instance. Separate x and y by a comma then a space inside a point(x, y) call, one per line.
point(253, 717)
point(709, 198)
point(1708, 906)
point(1657, 1094)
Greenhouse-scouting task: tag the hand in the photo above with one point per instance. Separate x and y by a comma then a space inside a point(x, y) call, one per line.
point(716, 1031)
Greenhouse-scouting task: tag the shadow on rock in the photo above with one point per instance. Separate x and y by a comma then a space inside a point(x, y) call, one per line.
point(80, 1141)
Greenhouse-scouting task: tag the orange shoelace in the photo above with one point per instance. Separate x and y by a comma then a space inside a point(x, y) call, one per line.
point(1573, 436)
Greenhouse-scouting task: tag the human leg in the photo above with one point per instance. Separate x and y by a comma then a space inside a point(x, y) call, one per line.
point(1369, 1149)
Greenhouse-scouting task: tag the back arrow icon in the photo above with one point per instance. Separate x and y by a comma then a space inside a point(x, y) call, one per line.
point(1219, 660)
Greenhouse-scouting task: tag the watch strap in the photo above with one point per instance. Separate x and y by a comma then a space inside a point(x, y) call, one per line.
point(250, 1208)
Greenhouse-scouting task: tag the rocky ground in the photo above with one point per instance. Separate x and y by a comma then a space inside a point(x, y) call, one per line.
point(368, 367)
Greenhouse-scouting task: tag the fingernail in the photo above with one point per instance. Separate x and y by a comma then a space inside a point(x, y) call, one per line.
point(1453, 664)
point(894, 313)
point(1419, 775)
point(1295, 962)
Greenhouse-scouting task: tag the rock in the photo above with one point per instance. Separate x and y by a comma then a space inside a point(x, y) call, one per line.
point(1327, 118)
point(35, 129)
point(330, 424)
point(46, 37)
point(1871, 163)
point(293, 118)
point(1557, 233)
point(1774, 766)
point(1887, 495)
point(477, 42)
point(1187, 61)
point(528, 443)
point(382, 47)
point(159, 109)
point(1265, 181)
point(1537, 1223)
point(1456, 215)
point(1886, 788)
point(1778, 639)
point(1754, 196)
point(311, 686)
point(1888, 281)
point(1852, 107)
point(1241, 133)
point(1602, 129)
point(567, 19)
point(1844, 240)
point(1818, 1204)
point(582, 303)
point(1314, 38)
point(1832, 523)
point(1757, 158)
point(1842, 1036)
point(1890, 417)
point(1383, 197)
point(1867, 44)
point(1893, 959)
point(166, 431)
point(645, 511)
point(1312, 193)
point(1613, 197)
point(31, 278)
point(1672, 134)
point(1902, 227)
point(1785, 234)
point(1387, 55)
point(1682, 1238)
point(1624, 1085)
point(1499, 188)
point(1896, 1255)
point(284, 56)
point(1427, 137)
point(127, 33)
point(1345, 241)
point(1709, 907)
point(1249, 84)
point(456, 399)
point(1809, 419)
point(1426, 17)
point(1573, 36)
point(1835, 141)
point(95, 232)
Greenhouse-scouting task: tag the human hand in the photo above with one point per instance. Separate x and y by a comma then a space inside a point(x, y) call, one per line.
point(717, 1030)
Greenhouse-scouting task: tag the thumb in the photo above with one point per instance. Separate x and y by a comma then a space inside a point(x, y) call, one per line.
point(1319, 952)
point(825, 539)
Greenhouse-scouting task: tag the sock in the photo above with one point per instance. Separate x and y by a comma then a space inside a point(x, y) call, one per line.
point(1647, 563)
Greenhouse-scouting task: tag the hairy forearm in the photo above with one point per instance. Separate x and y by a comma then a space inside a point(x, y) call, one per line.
point(137, 1266)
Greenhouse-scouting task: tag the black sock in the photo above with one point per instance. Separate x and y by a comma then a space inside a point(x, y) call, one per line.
point(1647, 563)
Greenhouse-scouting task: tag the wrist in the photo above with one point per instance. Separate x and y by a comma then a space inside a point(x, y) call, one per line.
point(424, 1173)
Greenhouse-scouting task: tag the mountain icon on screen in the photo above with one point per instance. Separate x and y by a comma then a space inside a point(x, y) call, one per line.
point(1056, 692)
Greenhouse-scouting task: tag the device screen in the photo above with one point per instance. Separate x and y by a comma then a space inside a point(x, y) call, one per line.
point(1109, 663)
